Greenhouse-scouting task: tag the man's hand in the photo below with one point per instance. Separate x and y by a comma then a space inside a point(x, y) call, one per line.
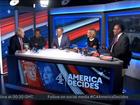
point(54, 46)
point(36, 44)
point(94, 46)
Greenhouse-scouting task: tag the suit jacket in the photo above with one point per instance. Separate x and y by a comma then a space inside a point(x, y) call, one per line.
point(121, 50)
point(40, 41)
point(15, 44)
point(95, 42)
point(65, 42)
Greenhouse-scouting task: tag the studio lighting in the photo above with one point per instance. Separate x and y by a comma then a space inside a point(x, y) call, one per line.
point(14, 2)
point(44, 3)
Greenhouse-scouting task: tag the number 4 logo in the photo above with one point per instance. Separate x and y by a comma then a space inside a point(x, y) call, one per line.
point(60, 79)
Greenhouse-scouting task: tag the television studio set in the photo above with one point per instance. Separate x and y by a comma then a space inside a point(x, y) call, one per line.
point(80, 52)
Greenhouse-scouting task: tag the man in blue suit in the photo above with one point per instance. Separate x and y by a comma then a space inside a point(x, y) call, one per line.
point(61, 41)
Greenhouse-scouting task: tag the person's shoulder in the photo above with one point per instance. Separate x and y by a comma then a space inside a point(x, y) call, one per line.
point(124, 35)
point(87, 39)
point(55, 37)
point(65, 36)
point(96, 39)
point(42, 37)
point(14, 37)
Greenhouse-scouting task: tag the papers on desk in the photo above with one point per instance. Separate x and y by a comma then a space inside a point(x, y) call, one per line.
point(66, 54)
point(106, 58)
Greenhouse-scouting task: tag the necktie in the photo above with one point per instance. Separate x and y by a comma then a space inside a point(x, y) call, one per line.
point(21, 43)
point(113, 43)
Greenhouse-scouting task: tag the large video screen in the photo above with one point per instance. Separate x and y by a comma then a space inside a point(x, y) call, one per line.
point(76, 27)
point(131, 24)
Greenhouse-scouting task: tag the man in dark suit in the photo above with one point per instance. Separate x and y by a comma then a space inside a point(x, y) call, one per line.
point(120, 47)
point(37, 41)
point(17, 42)
point(61, 41)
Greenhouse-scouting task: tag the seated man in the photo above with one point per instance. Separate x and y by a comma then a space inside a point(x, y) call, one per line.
point(61, 41)
point(17, 42)
point(37, 41)
point(92, 40)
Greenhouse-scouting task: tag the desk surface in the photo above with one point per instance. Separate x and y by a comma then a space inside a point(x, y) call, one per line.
point(66, 56)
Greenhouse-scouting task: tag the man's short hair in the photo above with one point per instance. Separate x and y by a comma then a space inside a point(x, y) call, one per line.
point(19, 30)
point(120, 25)
point(92, 31)
point(37, 30)
point(60, 28)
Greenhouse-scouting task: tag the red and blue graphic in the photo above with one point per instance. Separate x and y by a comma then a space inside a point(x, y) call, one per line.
point(7, 27)
point(67, 79)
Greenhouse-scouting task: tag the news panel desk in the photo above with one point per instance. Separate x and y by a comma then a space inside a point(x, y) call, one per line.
point(68, 57)
point(66, 72)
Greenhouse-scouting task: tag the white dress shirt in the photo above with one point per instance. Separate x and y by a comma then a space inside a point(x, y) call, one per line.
point(59, 40)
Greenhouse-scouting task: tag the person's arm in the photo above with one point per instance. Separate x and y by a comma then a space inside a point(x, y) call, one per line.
point(67, 42)
point(88, 42)
point(31, 43)
point(42, 43)
point(96, 43)
point(12, 47)
point(53, 44)
point(124, 47)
